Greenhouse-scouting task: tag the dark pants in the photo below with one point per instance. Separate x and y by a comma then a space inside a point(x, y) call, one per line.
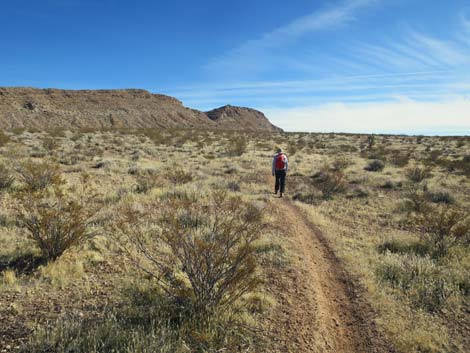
point(280, 180)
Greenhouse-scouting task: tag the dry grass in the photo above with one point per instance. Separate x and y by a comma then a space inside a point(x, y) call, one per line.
point(101, 302)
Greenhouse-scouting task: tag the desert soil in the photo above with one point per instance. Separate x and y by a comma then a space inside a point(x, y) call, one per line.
point(319, 309)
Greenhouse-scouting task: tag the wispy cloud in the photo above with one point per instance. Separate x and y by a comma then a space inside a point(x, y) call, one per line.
point(422, 85)
point(446, 51)
point(256, 54)
point(465, 21)
point(401, 80)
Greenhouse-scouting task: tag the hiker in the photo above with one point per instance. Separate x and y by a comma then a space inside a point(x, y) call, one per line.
point(280, 166)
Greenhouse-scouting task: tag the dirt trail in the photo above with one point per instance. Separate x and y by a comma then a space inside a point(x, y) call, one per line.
point(318, 310)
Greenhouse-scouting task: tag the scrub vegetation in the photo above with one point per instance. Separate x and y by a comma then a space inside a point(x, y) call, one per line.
point(169, 240)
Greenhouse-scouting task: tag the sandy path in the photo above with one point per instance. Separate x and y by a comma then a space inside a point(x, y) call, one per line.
point(318, 310)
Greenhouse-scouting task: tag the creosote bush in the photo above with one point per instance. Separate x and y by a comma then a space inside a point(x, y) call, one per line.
point(146, 182)
point(39, 175)
point(179, 176)
point(54, 221)
point(417, 174)
point(329, 182)
point(443, 227)
point(6, 178)
point(237, 147)
point(200, 252)
point(416, 197)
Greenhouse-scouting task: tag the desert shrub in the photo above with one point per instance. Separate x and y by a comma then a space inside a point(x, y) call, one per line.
point(347, 148)
point(417, 174)
point(370, 142)
point(55, 222)
point(6, 178)
point(376, 153)
point(416, 199)
point(433, 156)
point(441, 228)
point(390, 185)
point(340, 164)
point(358, 192)
point(292, 147)
point(200, 252)
point(329, 182)
point(237, 146)
point(69, 159)
point(400, 159)
point(231, 169)
point(461, 165)
point(4, 139)
point(102, 165)
point(50, 143)
point(440, 197)
point(233, 186)
point(39, 175)
point(375, 166)
point(146, 182)
point(57, 132)
point(179, 176)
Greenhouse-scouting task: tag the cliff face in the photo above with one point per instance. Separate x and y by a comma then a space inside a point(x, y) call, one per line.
point(130, 108)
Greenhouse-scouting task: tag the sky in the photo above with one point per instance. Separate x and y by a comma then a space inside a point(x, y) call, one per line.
point(370, 66)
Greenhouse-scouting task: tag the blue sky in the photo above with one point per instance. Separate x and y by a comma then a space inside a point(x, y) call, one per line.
point(352, 65)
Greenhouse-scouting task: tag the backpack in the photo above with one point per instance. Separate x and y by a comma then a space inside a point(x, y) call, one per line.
point(280, 161)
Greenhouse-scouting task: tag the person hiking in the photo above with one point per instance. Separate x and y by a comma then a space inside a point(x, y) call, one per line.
point(279, 170)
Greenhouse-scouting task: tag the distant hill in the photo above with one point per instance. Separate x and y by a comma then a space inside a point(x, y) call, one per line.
point(237, 118)
point(127, 108)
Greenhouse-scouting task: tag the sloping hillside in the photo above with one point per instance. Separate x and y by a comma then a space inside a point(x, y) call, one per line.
point(130, 108)
point(238, 118)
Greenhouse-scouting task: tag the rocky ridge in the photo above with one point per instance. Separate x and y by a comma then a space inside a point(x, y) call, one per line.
point(127, 108)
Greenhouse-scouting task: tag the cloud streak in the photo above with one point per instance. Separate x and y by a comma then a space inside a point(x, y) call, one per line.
point(404, 80)
point(249, 56)
point(406, 117)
